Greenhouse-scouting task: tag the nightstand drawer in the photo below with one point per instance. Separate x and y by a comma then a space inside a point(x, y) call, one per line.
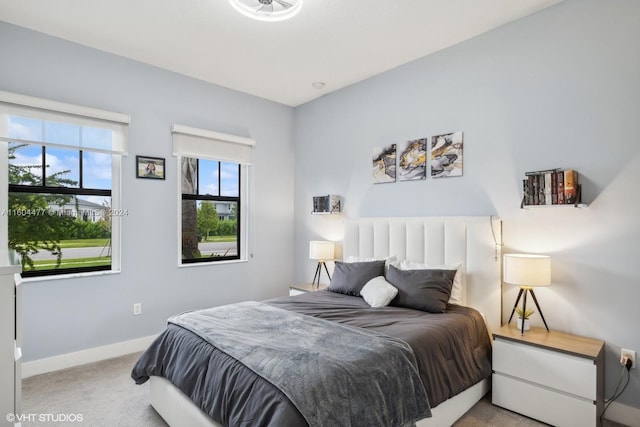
point(564, 372)
point(541, 403)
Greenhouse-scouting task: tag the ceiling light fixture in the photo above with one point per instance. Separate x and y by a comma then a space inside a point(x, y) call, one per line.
point(267, 10)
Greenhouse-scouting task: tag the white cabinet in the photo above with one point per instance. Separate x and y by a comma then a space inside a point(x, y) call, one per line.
point(10, 343)
point(554, 377)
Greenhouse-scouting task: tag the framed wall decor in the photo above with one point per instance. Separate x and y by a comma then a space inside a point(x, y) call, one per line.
point(384, 164)
point(446, 155)
point(412, 160)
point(149, 167)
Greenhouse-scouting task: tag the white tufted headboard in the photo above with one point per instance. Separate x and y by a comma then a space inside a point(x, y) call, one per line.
point(474, 241)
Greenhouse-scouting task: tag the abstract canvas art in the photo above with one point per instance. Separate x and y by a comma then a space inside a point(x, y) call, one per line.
point(446, 155)
point(412, 160)
point(384, 164)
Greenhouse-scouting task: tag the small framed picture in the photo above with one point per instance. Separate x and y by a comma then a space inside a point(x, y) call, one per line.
point(149, 167)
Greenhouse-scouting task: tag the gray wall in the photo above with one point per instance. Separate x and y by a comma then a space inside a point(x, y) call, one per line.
point(560, 88)
point(63, 316)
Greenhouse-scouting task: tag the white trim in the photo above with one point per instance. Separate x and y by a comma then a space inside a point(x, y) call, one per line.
point(209, 263)
point(82, 357)
point(623, 414)
point(61, 107)
point(66, 146)
point(36, 279)
point(208, 144)
point(4, 201)
point(43, 111)
point(209, 134)
point(179, 210)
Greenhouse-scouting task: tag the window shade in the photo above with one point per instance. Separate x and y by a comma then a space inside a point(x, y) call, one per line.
point(25, 119)
point(200, 143)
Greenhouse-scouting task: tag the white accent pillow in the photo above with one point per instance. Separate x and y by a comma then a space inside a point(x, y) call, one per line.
point(456, 289)
point(377, 292)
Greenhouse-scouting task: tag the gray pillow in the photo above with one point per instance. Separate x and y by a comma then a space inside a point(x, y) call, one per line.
point(425, 290)
point(350, 277)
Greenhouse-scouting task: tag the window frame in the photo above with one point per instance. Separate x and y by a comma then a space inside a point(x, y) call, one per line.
point(12, 104)
point(80, 190)
point(197, 143)
point(216, 198)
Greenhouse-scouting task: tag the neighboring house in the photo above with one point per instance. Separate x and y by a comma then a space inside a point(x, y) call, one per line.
point(225, 210)
point(81, 209)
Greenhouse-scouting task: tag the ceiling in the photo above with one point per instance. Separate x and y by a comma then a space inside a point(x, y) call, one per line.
point(337, 42)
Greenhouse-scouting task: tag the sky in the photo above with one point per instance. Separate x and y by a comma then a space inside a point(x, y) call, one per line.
point(96, 165)
point(209, 178)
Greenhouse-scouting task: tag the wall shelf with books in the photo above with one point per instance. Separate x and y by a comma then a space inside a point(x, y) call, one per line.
point(552, 188)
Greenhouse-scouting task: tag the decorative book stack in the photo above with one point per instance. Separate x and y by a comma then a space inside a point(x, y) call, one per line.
point(551, 187)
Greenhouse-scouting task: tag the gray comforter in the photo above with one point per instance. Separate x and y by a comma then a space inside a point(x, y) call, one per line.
point(334, 374)
point(452, 350)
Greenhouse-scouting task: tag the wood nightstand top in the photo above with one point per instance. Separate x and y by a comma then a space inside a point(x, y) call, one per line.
point(309, 287)
point(558, 341)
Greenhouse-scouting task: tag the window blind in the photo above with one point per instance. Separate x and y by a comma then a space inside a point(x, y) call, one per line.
point(200, 143)
point(26, 119)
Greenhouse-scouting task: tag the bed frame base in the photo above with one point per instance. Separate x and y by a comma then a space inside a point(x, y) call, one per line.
point(179, 411)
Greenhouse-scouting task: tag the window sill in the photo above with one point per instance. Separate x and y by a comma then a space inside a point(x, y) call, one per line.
point(204, 264)
point(69, 276)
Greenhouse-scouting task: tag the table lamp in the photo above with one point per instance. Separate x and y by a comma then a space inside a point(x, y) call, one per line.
point(322, 251)
point(527, 271)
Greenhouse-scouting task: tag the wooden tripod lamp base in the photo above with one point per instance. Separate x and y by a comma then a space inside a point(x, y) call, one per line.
point(321, 251)
point(527, 271)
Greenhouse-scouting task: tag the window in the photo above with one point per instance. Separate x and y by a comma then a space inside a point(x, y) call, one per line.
point(213, 191)
point(59, 196)
point(207, 236)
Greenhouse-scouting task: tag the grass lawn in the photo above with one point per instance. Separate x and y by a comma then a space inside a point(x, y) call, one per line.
point(101, 243)
point(220, 239)
point(96, 261)
point(84, 243)
point(72, 263)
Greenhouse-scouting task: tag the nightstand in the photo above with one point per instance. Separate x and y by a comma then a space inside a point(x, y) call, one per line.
point(307, 287)
point(554, 377)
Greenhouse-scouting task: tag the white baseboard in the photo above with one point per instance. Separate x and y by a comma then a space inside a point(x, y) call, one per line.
point(623, 414)
point(82, 357)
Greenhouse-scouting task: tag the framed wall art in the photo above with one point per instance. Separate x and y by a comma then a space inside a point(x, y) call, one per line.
point(412, 160)
point(149, 167)
point(384, 164)
point(446, 155)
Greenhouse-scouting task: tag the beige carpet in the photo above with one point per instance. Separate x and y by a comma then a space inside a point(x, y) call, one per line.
point(103, 394)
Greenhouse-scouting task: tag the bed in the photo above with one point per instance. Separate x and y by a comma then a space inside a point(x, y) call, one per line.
point(471, 242)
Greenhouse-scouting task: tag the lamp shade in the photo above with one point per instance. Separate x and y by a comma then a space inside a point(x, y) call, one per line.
point(321, 250)
point(527, 269)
